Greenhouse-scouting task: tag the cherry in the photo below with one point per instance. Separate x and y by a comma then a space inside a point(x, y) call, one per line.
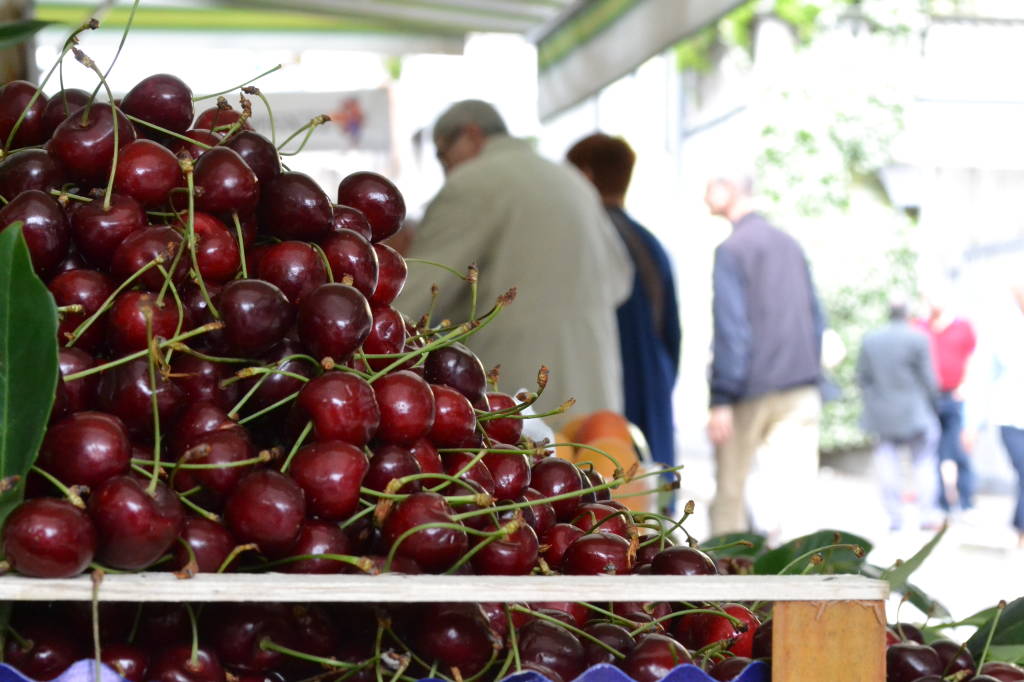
point(127, 660)
point(387, 336)
point(147, 172)
point(294, 267)
point(29, 169)
point(455, 462)
point(333, 321)
point(276, 387)
point(60, 107)
point(175, 664)
point(698, 630)
point(48, 538)
point(503, 429)
point(907, 661)
point(207, 137)
point(653, 657)
point(14, 99)
point(163, 624)
point(50, 653)
point(266, 508)
point(905, 632)
point(259, 153)
point(139, 248)
point(611, 634)
point(342, 407)
point(596, 554)
point(388, 463)
point(89, 289)
point(224, 182)
point(553, 476)
point(348, 218)
point(558, 539)
point(217, 251)
point(85, 146)
point(729, 668)
point(161, 99)
point(682, 561)
point(510, 471)
point(378, 199)
point(256, 315)
point(200, 380)
point(434, 549)
point(218, 447)
point(540, 516)
point(954, 657)
point(197, 419)
point(98, 232)
point(210, 542)
point(574, 613)
point(456, 636)
point(391, 275)
point(236, 635)
point(645, 553)
point(135, 527)
point(127, 324)
point(292, 206)
point(1004, 672)
point(79, 394)
point(427, 456)
point(762, 647)
point(513, 554)
point(454, 419)
point(458, 367)
point(125, 391)
point(86, 448)
point(592, 516)
point(315, 538)
point(44, 227)
point(348, 253)
point(546, 645)
point(406, 407)
point(215, 117)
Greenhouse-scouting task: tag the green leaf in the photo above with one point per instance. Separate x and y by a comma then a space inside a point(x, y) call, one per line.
point(28, 362)
point(16, 32)
point(916, 596)
point(898, 575)
point(1009, 630)
point(756, 541)
point(1010, 653)
point(836, 561)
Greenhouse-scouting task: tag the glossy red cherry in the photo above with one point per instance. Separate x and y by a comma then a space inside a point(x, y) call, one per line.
point(80, 393)
point(653, 657)
point(406, 407)
point(89, 289)
point(266, 508)
point(458, 367)
point(598, 553)
point(698, 630)
point(147, 172)
point(391, 275)
point(200, 380)
point(514, 554)
point(294, 267)
point(98, 232)
point(210, 542)
point(136, 315)
point(256, 316)
point(15, 97)
point(330, 473)
point(728, 668)
point(504, 429)
point(292, 206)
point(553, 476)
point(259, 153)
point(333, 321)
point(29, 169)
point(276, 387)
point(349, 254)
point(60, 107)
point(142, 247)
point(216, 118)
point(216, 250)
point(161, 99)
point(954, 657)
point(128, 661)
point(611, 634)
point(387, 336)
point(342, 407)
point(207, 139)
point(219, 447)
point(86, 448)
point(602, 518)
point(44, 227)
point(454, 419)
point(557, 539)
point(378, 199)
point(84, 143)
point(907, 661)
point(175, 664)
point(434, 549)
point(682, 560)
point(317, 538)
point(1002, 671)
point(427, 456)
point(462, 464)
point(457, 636)
point(545, 645)
point(197, 419)
point(125, 391)
point(388, 463)
point(510, 471)
point(134, 527)
point(348, 218)
point(224, 183)
point(50, 652)
point(540, 516)
point(48, 538)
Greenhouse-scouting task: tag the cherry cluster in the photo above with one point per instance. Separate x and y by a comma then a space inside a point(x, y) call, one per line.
point(909, 659)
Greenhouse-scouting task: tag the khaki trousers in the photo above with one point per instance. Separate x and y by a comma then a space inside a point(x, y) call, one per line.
point(774, 445)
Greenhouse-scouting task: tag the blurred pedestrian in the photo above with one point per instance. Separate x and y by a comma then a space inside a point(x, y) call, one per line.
point(765, 370)
point(649, 335)
point(897, 382)
point(952, 342)
point(529, 223)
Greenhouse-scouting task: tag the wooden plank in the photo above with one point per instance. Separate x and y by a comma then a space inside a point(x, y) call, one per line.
point(436, 588)
point(838, 641)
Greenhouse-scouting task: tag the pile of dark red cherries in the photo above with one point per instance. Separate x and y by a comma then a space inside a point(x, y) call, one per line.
point(909, 659)
point(238, 393)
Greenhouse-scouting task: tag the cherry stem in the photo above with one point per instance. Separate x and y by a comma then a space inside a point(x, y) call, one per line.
point(73, 308)
point(90, 64)
point(25, 644)
point(238, 549)
point(59, 193)
point(427, 526)
point(471, 277)
point(465, 467)
point(260, 459)
point(355, 517)
point(192, 565)
point(233, 412)
point(376, 647)
point(168, 284)
point(249, 372)
point(308, 128)
point(446, 477)
point(237, 87)
point(97, 578)
point(611, 615)
point(618, 466)
point(120, 46)
point(728, 545)
point(268, 644)
point(327, 264)
point(211, 358)
point(165, 131)
point(270, 408)
point(270, 111)
point(208, 515)
point(241, 243)
point(856, 549)
point(438, 265)
point(296, 445)
point(211, 326)
point(736, 622)
point(513, 637)
point(571, 628)
point(186, 167)
point(155, 402)
point(362, 563)
point(74, 498)
point(193, 660)
point(501, 533)
point(88, 322)
point(992, 631)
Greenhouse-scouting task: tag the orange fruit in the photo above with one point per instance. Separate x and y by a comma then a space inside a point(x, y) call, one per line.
point(571, 428)
point(566, 452)
point(622, 450)
point(603, 424)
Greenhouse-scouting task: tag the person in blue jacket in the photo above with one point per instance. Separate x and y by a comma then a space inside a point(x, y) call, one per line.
point(649, 334)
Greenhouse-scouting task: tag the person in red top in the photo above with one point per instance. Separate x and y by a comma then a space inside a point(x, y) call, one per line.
point(952, 340)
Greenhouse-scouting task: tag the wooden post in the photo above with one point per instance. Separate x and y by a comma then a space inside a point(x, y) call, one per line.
point(838, 641)
point(13, 63)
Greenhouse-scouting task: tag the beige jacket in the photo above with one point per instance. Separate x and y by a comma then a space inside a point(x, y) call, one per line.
point(540, 227)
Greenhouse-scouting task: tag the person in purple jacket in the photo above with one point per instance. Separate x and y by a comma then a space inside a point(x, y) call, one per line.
point(765, 371)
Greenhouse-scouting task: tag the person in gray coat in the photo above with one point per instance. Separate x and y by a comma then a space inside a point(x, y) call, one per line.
point(900, 394)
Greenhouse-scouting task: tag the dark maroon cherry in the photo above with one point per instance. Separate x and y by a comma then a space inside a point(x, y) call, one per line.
point(391, 274)
point(137, 317)
point(454, 419)
point(611, 634)
point(427, 456)
point(142, 247)
point(333, 321)
point(44, 226)
point(953, 656)
point(256, 316)
point(540, 516)
point(330, 473)
point(462, 465)
point(86, 448)
point(596, 554)
point(89, 289)
point(60, 107)
point(266, 508)
point(84, 143)
point(557, 539)
point(160, 99)
point(602, 518)
point(147, 172)
point(200, 379)
point(349, 254)
point(406, 407)
point(316, 538)
point(682, 560)
point(198, 419)
point(48, 538)
point(129, 661)
point(51, 651)
point(210, 542)
point(236, 635)
point(434, 549)
point(458, 367)
point(545, 644)
point(1004, 672)
point(221, 119)
point(503, 429)
point(905, 632)
point(259, 153)
point(457, 636)
point(276, 387)
point(729, 668)
point(653, 657)
point(228, 446)
point(293, 267)
point(125, 391)
point(98, 232)
point(348, 218)
point(135, 527)
point(80, 393)
point(206, 138)
point(29, 169)
point(907, 661)
point(15, 97)
point(762, 647)
point(292, 206)
point(224, 183)
point(342, 407)
point(388, 463)
point(378, 199)
point(553, 476)
point(162, 623)
point(514, 554)
point(387, 336)
point(510, 471)
point(175, 664)
point(216, 250)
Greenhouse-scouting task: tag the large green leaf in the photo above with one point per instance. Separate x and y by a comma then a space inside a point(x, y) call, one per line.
point(756, 545)
point(16, 32)
point(836, 561)
point(917, 597)
point(28, 362)
point(898, 575)
point(1010, 653)
point(1009, 631)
